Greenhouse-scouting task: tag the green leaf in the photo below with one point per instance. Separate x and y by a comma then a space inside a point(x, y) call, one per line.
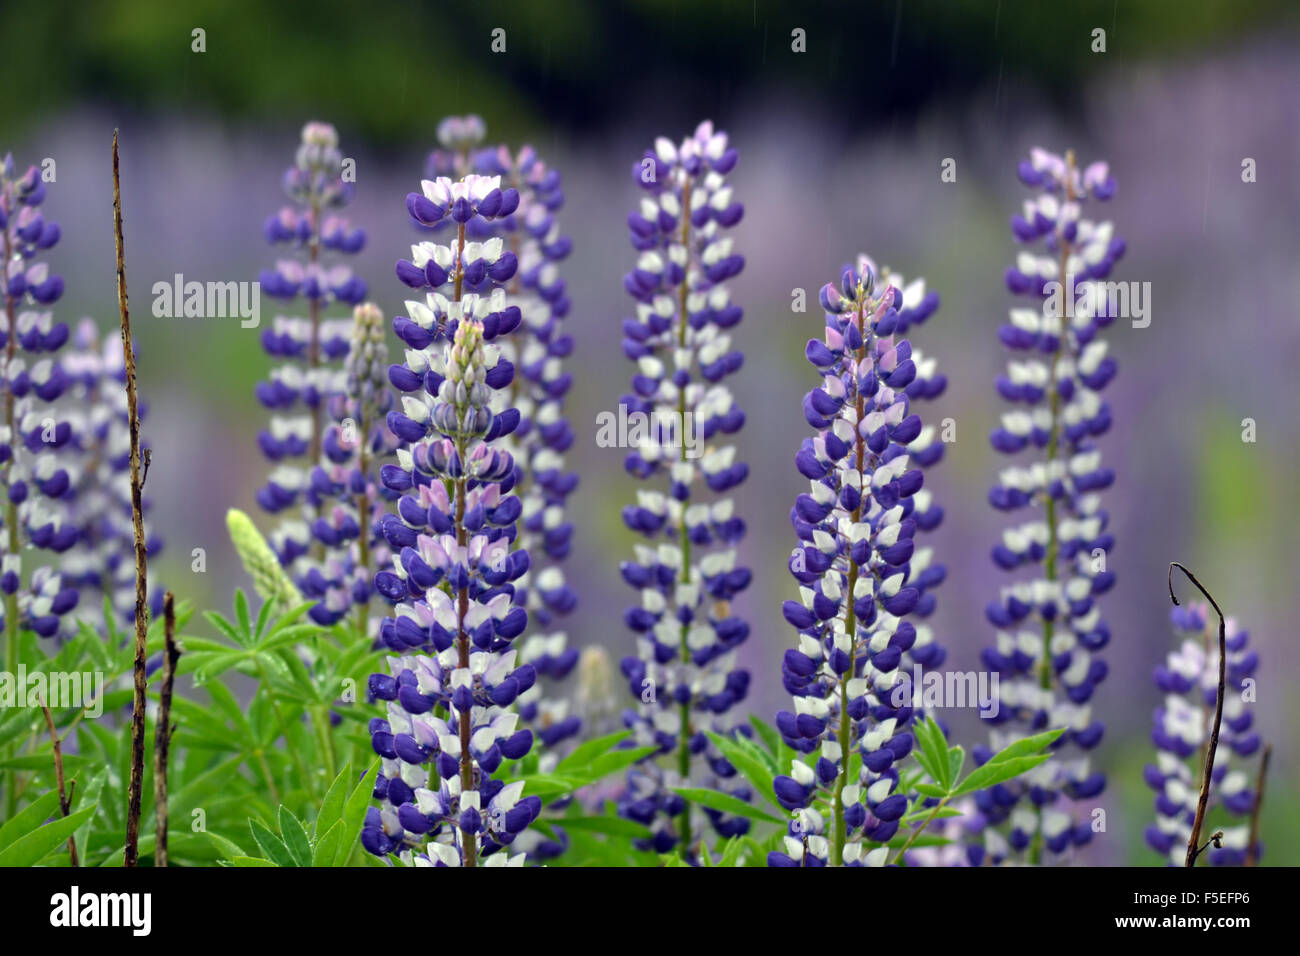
point(1027, 745)
point(294, 837)
point(331, 809)
point(354, 814)
point(930, 790)
point(247, 861)
point(550, 785)
point(747, 765)
point(725, 803)
point(275, 850)
point(35, 846)
point(994, 773)
point(586, 752)
point(930, 737)
point(241, 613)
point(617, 760)
point(29, 818)
point(327, 847)
point(770, 736)
point(610, 826)
point(227, 848)
point(956, 757)
point(925, 839)
point(735, 847)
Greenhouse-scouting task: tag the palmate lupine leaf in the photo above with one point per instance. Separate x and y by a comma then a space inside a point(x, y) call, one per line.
point(329, 842)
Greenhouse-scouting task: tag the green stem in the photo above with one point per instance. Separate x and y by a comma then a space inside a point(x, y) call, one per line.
point(363, 521)
point(921, 829)
point(284, 728)
point(1045, 676)
point(850, 625)
point(11, 521)
point(469, 842)
point(684, 740)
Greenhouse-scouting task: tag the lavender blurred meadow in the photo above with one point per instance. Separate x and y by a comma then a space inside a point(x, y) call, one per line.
point(821, 181)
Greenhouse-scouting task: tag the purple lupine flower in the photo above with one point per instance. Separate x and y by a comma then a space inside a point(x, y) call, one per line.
point(532, 236)
point(1189, 680)
point(316, 539)
point(104, 560)
point(684, 674)
point(450, 694)
point(35, 447)
point(1048, 621)
point(857, 526)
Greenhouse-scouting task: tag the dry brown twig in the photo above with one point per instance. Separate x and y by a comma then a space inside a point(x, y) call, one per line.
point(163, 729)
point(132, 851)
point(65, 794)
point(1194, 849)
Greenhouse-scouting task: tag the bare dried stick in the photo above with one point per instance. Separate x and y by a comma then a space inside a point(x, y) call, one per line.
point(1252, 853)
point(132, 852)
point(65, 795)
point(163, 729)
point(1193, 848)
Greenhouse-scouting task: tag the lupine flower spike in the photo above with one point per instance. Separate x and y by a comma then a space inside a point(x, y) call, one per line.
point(856, 526)
point(316, 534)
point(1048, 622)
point(35, 447)
point(1189, 680)
point(684, 675)
point(350, 499)
point(95, 404)
point(533, 238)
point(449, 695)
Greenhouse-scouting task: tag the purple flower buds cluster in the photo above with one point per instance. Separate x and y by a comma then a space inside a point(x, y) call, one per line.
point(532, 235)
point(320, 539)
point(350, 502)
point(450, 694)
point(37, 444)
point(857, 585)
point(684, 675)
point(1048, 620)
point(1189, 680)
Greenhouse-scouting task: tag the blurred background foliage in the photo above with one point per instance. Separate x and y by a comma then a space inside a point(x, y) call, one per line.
point(840, 152)
point(578, 64)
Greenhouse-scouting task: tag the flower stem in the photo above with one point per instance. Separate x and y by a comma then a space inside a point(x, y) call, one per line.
point(684, 741)
point(912, 837)
point(1252, 851)
point(363, 521)
point(850, 618)
point(163, 730)
point(469, 843)
point(1045, 675)
point(11, 522)
point(1202, 803)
